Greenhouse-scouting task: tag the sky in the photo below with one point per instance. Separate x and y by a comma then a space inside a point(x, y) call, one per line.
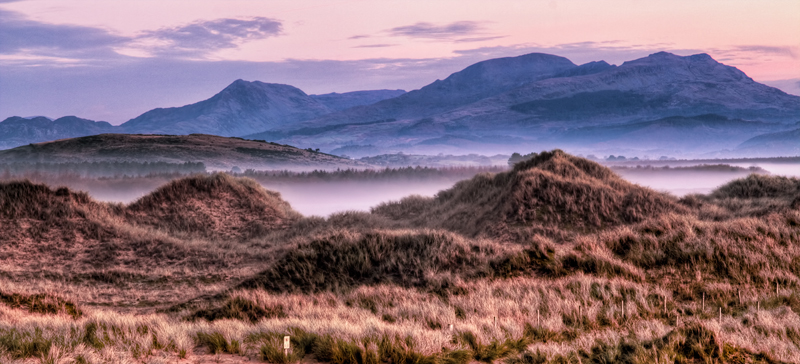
point(113, 60)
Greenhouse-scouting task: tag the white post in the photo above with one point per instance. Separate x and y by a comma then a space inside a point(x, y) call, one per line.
point(286, 344)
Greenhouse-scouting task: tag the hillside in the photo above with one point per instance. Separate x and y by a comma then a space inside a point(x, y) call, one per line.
point(214, 151)
point(215, 207)
point(16, 131)
point(783, 143)
point(551, 194)
point(342, 101)
point(675, 134)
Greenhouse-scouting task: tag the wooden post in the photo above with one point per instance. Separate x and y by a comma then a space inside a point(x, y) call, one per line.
point(720, 315)
point(538, 322)
point(704, 302)
point(286, 343)
point(776, 288)
point(495, 321)
point(740, 296)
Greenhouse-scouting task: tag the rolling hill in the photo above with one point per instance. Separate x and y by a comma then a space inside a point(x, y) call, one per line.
point(785, 143)
point(565, 260)
point(214, 151)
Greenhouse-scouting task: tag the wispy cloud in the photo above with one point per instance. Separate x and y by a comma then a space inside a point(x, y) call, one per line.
point(203, 37)
point(375, 46)
point(769, 50)
point(21, 36)
point(478, 39)
point(434, 31)
point(23, 40)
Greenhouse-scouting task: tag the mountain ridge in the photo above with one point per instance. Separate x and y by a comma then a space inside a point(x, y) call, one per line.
point(530, 100)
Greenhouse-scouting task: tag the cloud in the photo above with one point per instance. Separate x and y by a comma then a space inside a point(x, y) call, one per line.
point(24, 41)
point(359, 36)
point(375, 46)
point(768, 50)
point(19, 35)
point(478, 39)
point(203, 37)
point(433, 31)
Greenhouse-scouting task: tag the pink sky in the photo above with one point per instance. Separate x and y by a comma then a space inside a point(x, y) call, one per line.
point(762, 38)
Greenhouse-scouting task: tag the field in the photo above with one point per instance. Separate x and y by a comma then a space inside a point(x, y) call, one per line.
point(557, 260)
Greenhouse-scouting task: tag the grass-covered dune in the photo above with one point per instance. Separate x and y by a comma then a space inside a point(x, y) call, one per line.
point(557, 260)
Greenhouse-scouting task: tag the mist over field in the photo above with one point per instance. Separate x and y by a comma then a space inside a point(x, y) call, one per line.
point(323, 197)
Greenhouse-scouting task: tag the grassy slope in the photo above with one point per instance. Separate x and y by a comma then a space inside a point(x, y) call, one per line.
point(558, 260)
point(215, 151)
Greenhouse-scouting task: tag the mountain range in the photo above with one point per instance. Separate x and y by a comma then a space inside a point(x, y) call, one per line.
point(662, 103)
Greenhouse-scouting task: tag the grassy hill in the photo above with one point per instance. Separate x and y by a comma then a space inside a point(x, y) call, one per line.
point(555, 261)
point(214, 151)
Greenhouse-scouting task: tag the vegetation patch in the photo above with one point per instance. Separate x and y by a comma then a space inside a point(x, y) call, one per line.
point(239, 308)
point(46, 304)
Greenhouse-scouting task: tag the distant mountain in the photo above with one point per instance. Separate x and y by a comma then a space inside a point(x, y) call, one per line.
point(474, 83)
point(241, 108)
point(214, 151)
point(16, 131)
point(785, 143)
point(338, 102)
point(553, 99)
point(534, 101)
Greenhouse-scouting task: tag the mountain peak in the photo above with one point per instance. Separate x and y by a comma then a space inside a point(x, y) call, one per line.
point(241, 108)
point(667, 57)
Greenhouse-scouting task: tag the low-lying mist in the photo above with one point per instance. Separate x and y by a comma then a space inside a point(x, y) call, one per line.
point(322, 193)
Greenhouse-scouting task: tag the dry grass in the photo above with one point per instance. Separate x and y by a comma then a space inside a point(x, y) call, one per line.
point(555, 261)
